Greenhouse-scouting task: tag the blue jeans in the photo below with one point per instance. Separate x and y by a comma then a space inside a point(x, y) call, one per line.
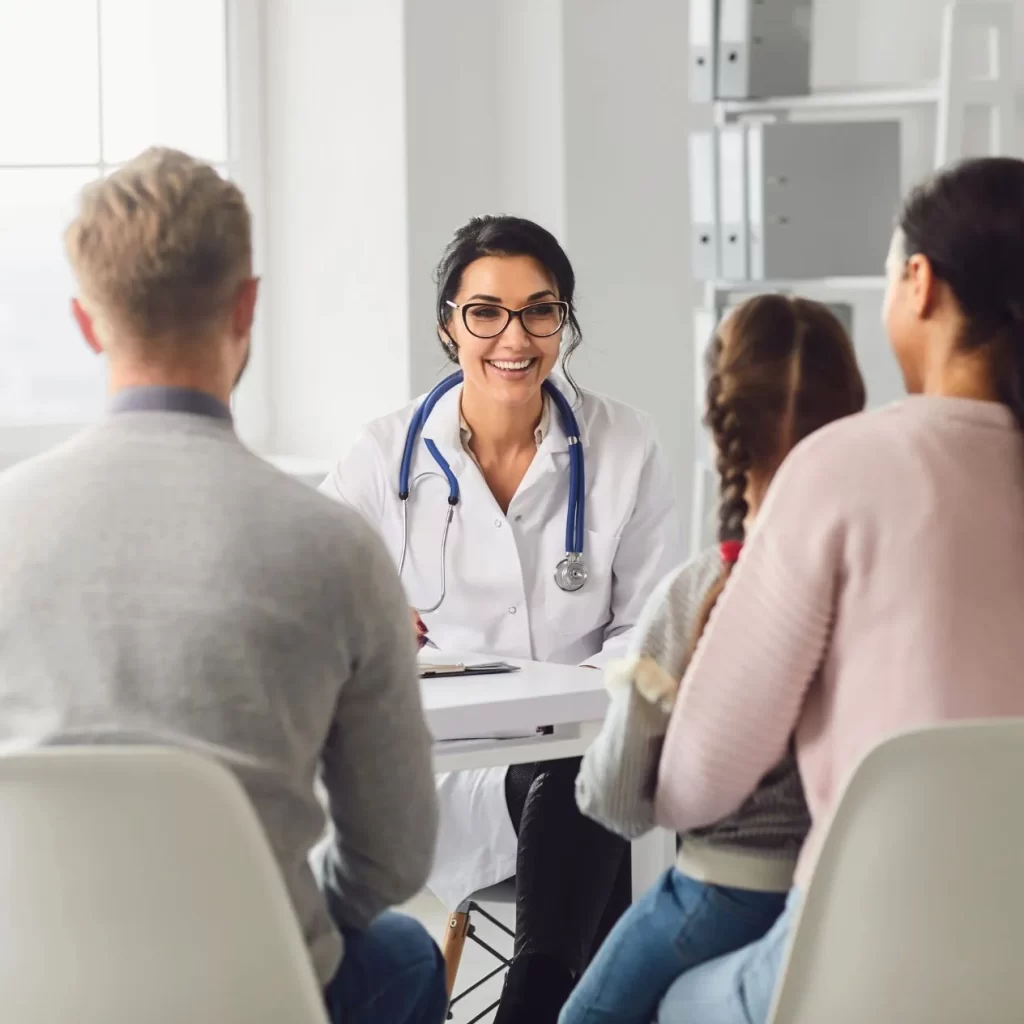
point(677, 925)
point(736, 988)
point(391, 971)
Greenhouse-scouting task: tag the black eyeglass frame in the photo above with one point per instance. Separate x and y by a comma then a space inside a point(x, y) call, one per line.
point(510, 315)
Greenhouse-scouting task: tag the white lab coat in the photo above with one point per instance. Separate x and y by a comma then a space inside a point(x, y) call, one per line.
point(502, 598)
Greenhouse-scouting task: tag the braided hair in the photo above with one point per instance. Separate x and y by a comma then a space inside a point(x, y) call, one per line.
point(778, 369)
point(968, 221)
point(733, 458)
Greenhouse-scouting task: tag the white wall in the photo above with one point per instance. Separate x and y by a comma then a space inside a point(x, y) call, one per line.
point(336, 297)
point(542, 116)
point(627, 208)
point(453, 110)
point(391, 122)
point(483, 95)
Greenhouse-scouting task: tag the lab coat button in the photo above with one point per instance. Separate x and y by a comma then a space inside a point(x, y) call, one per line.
point(512, 609)
point(497, 522)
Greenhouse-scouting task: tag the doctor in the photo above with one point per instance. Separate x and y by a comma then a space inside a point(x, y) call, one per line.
point(530, 520)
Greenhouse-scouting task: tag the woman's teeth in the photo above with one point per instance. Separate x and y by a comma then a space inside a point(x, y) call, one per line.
point(507, 364)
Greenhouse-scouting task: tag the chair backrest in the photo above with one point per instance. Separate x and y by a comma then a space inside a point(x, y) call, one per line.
point(137, 885)
point(916, 908)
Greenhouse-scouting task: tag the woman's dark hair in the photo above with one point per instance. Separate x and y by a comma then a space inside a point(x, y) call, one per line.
point(968, 221)
point(778, 369)
point(507, 236)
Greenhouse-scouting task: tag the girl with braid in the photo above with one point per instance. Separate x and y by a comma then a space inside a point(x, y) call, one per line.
point(883, 587)
point(778, 369)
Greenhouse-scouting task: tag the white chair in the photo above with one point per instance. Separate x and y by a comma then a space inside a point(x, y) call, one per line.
point(915, 914)
point(137, 887)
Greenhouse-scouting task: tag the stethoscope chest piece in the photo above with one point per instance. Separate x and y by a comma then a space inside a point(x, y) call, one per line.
point(571, 573)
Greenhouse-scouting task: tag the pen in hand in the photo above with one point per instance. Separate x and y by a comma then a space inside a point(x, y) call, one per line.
point(422, 639)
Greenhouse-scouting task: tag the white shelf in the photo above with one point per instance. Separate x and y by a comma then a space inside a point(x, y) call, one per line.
point(851, 284)
point(856, 99)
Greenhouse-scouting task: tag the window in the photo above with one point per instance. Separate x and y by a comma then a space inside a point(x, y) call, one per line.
point(86, 85)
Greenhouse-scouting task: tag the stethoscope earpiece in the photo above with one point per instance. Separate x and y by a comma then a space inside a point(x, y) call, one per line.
point(570, 573)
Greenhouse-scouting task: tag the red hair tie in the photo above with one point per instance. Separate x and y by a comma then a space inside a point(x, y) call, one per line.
point(730, 551)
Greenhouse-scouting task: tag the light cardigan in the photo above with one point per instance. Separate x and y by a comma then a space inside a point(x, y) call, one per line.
point(889, 552)
point(754, 848)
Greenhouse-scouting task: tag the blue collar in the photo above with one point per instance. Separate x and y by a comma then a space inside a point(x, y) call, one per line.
point(165, 399)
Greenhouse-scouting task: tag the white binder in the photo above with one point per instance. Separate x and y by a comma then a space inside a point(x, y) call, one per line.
point(704, 205)
point(705, 478)
point(732, 187)
point(705, 323)
point(820, 197)
point(755, 204)
point(764, 48)
point(703, 46)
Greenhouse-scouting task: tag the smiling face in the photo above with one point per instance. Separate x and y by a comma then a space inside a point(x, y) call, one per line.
point(509, 368)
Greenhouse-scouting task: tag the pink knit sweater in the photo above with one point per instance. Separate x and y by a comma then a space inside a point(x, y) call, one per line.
point(889, 554)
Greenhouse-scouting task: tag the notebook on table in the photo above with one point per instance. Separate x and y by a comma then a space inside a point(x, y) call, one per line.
point(439, 669)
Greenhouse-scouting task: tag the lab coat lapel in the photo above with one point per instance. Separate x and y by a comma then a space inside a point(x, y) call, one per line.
point(443, 428)
point(553, 453)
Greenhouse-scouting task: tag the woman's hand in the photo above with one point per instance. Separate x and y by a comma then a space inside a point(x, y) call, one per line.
point(420, 628)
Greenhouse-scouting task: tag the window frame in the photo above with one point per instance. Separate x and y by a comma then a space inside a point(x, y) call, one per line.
point(245, 165)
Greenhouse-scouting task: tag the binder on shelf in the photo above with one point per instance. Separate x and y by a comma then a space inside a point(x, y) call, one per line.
point(734, 232)
point(704, 205)
point(703, 34)
point(705, 323)
point(703, 514)
point(820, 197)
point(705, 478)
point(764, 48)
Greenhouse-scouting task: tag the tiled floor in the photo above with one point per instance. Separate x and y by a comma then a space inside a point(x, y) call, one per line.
point(475, 961)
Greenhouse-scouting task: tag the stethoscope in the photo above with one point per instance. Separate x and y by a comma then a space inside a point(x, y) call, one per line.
point(570, 573)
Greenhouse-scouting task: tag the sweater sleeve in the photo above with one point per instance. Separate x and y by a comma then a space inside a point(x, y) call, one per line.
point(376, 766)
point(742, 693)
point(615, 783)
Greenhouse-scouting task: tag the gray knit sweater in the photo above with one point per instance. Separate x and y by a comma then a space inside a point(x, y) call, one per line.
point(754, 848)
point(161, 584)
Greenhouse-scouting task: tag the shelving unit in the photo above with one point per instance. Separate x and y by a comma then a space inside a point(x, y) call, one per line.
point(958, 91)
point(729, 111)
point(958, 94)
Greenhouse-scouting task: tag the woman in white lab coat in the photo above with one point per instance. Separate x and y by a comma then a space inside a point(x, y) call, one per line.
point(505, 314)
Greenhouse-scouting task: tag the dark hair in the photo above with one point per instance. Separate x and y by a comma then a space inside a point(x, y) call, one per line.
point(778, 369)
point(968, 222)
point(507, 236)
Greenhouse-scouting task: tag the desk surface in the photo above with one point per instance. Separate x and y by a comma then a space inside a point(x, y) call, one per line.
point(538, 695)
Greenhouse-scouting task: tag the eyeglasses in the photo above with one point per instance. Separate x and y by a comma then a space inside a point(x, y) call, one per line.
point(539, 319)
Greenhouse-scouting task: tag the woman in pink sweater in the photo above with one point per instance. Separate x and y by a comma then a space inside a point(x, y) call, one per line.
point(882, 587)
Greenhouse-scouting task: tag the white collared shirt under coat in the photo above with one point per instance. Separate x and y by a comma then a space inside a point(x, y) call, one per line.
point(502, 598)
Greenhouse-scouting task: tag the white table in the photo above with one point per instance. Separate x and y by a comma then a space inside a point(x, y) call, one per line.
point(570, 701)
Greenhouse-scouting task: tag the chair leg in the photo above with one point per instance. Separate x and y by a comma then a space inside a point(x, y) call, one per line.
point(452, 944)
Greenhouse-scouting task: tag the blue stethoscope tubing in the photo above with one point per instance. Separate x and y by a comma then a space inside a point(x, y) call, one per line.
point(570, 573)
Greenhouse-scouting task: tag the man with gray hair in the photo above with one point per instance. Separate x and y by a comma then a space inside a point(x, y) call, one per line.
point(159, 583)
